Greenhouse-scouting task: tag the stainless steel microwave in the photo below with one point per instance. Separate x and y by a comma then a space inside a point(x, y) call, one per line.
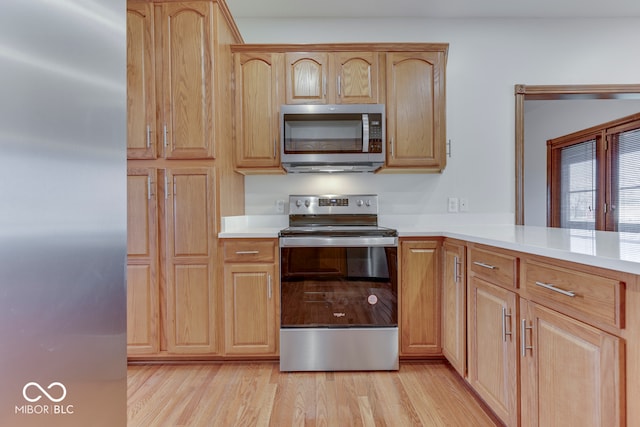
point(332, 138)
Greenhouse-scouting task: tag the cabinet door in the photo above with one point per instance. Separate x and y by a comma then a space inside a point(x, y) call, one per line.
point(257, 105)
point(572, 373)
point(306, 78)
point(250, 309)
point(416, 110)
point(187, 80)
point(454, 312)
point(190, 254)
point(357, 77)
point(492, 348)
point(141, 83)
point(420, 298)
point(142, 263)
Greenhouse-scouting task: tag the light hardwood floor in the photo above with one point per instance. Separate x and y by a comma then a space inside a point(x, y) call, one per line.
point(251, 394)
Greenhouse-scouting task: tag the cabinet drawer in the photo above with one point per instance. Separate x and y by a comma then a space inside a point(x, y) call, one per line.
point(249, 251)
point(600, 299)
point(496, 267)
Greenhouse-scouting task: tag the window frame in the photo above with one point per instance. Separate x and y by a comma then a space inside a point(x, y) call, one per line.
point(606, 168)
point(612, 135)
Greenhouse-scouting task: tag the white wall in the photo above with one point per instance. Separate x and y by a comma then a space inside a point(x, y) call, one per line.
point(486, 59)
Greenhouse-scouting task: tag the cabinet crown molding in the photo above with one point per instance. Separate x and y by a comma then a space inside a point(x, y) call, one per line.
point(343, 47)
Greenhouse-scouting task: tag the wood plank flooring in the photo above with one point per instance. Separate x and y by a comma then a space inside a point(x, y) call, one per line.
point(239, 394)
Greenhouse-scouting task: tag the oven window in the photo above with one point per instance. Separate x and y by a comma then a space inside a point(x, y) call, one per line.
point(339, 287)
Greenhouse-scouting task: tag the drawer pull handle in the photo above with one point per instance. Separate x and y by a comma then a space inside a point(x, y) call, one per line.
point(555, 289)
point(482, 264)
point(247, 252)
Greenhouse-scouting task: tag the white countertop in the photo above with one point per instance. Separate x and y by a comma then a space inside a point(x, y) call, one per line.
point(616, 251)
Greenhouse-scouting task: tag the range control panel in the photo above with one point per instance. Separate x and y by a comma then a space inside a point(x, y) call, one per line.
point(333, 201)
point(333, 204)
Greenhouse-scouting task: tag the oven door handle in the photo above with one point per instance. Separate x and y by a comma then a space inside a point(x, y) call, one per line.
point(326, 241)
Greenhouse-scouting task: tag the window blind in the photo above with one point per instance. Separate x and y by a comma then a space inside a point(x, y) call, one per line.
point(626, 203)
point(578, 185)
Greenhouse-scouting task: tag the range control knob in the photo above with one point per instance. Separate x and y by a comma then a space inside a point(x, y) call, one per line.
point(307, 202)
point(368, 203)
point(298, 203)
point(360, 202)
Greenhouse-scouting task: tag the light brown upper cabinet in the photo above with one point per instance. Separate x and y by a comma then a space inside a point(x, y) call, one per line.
point(141, 82)
point(409, 78)
point(416, 137)
point(307, 75)
point(187, 83)
point(358, 77)
point(171, 84)
point(332, 77)
point(258, 96)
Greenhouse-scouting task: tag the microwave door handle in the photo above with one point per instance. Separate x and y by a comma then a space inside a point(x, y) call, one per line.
point(365, 133)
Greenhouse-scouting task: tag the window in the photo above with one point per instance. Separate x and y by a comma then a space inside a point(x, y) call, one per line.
point(625, 181)
point(594, 177)
point(578, 185)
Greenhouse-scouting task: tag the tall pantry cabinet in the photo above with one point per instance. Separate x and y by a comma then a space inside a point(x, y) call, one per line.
point(180, 166)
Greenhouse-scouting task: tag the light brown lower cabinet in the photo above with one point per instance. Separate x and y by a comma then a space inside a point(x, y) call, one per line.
point(171, 298)
point(454, 302)
point(571, 373)
point(190, 261)
point(419, 292)
point(546, 350)
point(493, 363)
point(251, 298)
point(143, 300)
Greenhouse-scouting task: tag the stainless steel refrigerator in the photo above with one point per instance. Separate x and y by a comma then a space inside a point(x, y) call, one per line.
point(62, 213)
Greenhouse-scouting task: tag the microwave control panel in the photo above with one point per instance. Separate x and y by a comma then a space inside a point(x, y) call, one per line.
point(375, 136)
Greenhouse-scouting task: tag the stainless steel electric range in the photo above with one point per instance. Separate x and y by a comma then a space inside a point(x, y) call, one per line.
point(338, 285)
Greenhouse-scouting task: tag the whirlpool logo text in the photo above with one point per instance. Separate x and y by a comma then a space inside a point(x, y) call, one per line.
point(44, 400)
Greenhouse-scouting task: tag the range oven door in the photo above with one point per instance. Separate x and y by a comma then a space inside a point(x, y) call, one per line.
point(338, 304)
point(339, 283)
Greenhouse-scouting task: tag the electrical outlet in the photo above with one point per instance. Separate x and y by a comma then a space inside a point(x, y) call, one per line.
point(452, 204)
point(464, 204)
point(280, 206)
